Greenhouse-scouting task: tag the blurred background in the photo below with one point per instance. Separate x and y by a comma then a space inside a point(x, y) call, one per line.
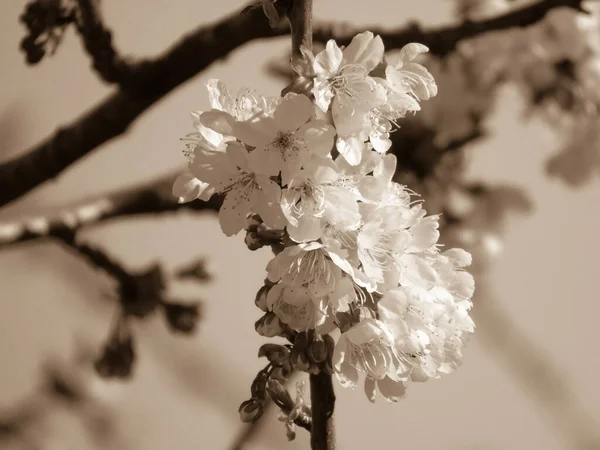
point(509, 153)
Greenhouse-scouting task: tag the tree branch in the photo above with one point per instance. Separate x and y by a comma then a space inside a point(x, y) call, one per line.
point(443, 40)
point(97, 40)
point(152, 198)
point(152, 80)
point(322, 400)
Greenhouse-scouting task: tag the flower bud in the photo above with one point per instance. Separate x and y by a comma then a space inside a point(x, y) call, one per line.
point(301, 341)
point(267, 233)
point(251, 410)
point(259, 385)
point(278, 355)
point(269, 325)
point(117, 358)
point(141, 294)
point(279, 394)
point(253, 241)
point(252, 221)
point(299, 360)
point(317, 351)
point(261, 298)
point(181, 317)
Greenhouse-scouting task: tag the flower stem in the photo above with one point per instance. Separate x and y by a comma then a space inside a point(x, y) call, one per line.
point(301, 25)
point(322, 400)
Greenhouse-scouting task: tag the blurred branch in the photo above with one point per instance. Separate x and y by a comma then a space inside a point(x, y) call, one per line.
point(152, 198)
point(153, 79)
point(97, 40)
point(443, 40)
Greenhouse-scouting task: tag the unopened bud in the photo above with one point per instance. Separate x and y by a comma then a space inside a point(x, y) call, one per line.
point(267, 233)
point(278, 355)
point(301, 341)
point(299, 360)
point(253, 241)
point(261, 298)
point(317, 351)
point(181, 317)
point(268, 325)
point(259, 385)
point(252, 222)
point(251, 410)
point(117, 358)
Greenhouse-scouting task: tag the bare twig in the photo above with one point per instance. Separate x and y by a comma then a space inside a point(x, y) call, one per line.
point(152, 198)
point(97, 40)
point(156, 78)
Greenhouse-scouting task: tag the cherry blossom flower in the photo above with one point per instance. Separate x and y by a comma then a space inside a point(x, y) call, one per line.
point(228, 173)
point(343, 81)
point(317, 195)
point(410, 78)
point(368, 347)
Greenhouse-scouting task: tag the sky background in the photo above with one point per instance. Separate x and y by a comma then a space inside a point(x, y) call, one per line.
point(186, 391)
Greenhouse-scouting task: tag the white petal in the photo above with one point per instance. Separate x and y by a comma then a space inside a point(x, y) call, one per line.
point(232, 215)
point(293, 112)
point(351, 148)
point(411, 51)
point(327, 62)
point(308, 228)
point(219, 121)
point(218, 95)
point(347, 118)
point(391, 390)
point(323, 94)
point(364, 50)
point(318, 136)
point(187, 187)
point(370, 389)
point(214, 168)
point(238, 155)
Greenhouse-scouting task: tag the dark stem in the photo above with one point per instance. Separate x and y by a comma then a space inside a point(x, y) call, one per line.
point(301, 26)
point(322, 399)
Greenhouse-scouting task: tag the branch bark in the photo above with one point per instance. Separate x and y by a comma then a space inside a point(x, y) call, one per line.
point(97, 40)
point(322, 397)
point(152, 80)
point(153, 198)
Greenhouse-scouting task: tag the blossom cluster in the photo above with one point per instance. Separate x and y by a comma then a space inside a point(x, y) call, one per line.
point(362, 256)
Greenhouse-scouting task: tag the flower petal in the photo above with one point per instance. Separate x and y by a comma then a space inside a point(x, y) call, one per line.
point(351, 148)
point(370, 389)
point(364, 50)
point(293, 112)
point(391, 390)
point(214, 168)
point(187, 187)
point(232, 215)
point(318, 136)
point(411, 51)
point(327, 61)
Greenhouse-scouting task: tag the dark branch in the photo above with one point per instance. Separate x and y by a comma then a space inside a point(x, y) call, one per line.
point(152, 80)
point(443, 40)
point(153, 198)
point(322, 398)
point(97, 40)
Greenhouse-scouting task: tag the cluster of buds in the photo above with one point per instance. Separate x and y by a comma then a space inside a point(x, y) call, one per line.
point(141, 295)
point(45, 21)
point(310, 175)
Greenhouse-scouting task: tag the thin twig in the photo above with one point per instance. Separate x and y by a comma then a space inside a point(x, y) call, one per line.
point(97, 40)
point(156, 78)
point(153, 198)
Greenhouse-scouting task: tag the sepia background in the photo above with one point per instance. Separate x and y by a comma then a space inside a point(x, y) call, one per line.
point(530, 374)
